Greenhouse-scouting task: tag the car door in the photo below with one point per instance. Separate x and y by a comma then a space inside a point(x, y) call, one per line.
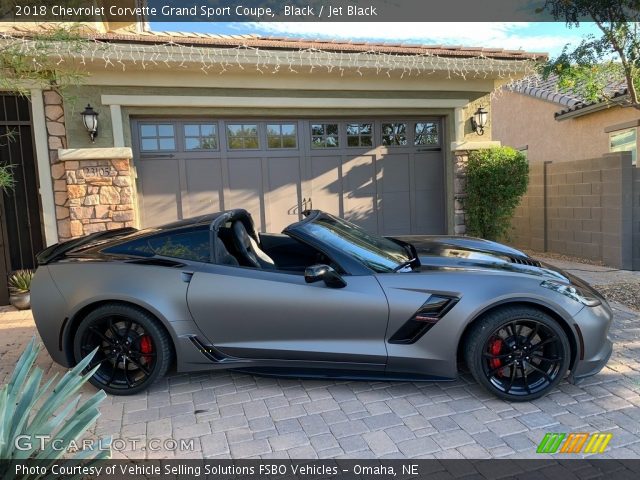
point(265, 314)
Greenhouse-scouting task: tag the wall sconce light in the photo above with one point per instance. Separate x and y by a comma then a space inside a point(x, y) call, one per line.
point(479, 120)
point(90, 120)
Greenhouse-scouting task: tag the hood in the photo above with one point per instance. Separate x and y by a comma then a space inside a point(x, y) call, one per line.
point(451, 252)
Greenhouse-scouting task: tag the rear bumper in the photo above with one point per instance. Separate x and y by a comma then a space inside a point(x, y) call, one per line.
point(595, 347)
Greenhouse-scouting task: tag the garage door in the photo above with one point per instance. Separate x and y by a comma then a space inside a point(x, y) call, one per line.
point(386, 175)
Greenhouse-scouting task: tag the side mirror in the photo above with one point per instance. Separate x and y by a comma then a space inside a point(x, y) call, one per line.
point(331, 278)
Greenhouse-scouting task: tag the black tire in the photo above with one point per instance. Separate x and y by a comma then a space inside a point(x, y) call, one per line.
point(134, 350)
point(517, 353)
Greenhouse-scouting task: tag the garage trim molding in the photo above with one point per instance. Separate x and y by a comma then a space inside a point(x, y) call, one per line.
point(278, 102)
point(115, 102)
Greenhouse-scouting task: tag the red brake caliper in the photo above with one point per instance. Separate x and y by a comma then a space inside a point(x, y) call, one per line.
point(495, 347)
point(146, 347)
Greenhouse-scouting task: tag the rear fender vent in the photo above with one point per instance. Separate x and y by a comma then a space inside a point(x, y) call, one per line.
point(209, 351)
point(424, 319)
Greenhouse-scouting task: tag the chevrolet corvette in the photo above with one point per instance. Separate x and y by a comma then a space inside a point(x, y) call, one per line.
point(324, 298)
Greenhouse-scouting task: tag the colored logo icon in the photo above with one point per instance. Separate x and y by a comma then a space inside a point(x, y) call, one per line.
point(581, 442)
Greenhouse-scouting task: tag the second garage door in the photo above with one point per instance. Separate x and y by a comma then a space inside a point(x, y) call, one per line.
point(386, 175)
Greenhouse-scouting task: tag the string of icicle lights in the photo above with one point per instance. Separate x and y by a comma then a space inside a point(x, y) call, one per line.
point(264, 61)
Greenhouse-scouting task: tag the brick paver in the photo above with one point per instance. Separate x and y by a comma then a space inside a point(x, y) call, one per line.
point(228, 414)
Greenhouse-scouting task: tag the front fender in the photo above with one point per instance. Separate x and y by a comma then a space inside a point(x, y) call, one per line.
point(435, 353)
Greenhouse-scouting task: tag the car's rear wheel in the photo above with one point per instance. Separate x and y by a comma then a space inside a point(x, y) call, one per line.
point(517, 353)
point(133, 350)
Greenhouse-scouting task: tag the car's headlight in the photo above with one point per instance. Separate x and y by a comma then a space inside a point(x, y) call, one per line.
point(578, 294)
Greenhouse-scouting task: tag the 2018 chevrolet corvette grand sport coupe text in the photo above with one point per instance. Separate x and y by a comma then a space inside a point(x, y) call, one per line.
point(323, 299)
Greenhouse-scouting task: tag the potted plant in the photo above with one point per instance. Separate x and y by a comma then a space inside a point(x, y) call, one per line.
point(20, 289)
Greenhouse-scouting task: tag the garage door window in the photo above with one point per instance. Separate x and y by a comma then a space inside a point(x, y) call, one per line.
point(157, 137)
point(281, 135)
point(200, 136)
point(394, 134)
point(324, 135)
point(426, 134)
point(242, 136)
point(359, 135)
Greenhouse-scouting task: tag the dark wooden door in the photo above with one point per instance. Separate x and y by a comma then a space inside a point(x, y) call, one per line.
point(21, 230)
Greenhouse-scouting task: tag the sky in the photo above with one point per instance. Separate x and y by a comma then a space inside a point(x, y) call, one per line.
point(548, 37)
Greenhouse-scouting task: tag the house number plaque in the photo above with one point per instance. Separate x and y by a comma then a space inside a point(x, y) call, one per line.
point(105, 171)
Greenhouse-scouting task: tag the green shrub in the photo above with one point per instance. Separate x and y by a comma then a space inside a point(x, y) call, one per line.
point(496, 180)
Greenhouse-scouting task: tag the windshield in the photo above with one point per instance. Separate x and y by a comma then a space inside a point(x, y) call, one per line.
point(378, 253)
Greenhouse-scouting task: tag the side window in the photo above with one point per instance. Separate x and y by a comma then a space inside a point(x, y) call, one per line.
point(324, 135)
point(426, 133)
point(157, 137)
point(281, 135)
point(359, 135)
point(184, 244)
point(394, 134)
point(201, 136)
point(625, 141)
point(242, 136)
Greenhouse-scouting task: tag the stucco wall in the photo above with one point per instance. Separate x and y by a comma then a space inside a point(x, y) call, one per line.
point(520, 120)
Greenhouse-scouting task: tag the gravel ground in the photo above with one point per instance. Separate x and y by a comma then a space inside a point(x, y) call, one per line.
point(627, 293)
point(564, 258)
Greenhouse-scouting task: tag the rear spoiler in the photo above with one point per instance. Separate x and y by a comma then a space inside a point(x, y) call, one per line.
point(59, 250)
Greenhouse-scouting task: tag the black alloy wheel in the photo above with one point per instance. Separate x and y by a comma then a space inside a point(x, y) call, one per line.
point(133, 351)
point(518, 354)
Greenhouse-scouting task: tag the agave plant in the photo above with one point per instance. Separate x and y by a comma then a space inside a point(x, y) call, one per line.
point(59, 417)
point(20, 281)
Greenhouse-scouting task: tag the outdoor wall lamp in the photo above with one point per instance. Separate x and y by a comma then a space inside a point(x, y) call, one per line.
point(479, 120)
point(90, 120)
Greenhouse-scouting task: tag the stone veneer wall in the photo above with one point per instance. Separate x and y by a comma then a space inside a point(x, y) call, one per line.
point(100, 195)
point(57, 139)
point(460, 158)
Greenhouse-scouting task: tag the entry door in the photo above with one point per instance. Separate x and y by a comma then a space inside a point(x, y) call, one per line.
point(21, 235)
point(259, 314)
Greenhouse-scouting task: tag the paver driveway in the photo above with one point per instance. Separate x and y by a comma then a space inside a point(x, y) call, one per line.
point(237, 415)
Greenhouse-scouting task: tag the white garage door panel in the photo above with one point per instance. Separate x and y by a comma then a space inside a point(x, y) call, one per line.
point(283, 195)
point(245, 187)
point(359, 191)
point(160, 182)
point(394, 181)
point(203, 192)
point(325, 184)
point(379, 173)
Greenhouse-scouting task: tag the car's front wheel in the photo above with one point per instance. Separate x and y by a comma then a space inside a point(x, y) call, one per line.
point(517, 353)
point(133, 350)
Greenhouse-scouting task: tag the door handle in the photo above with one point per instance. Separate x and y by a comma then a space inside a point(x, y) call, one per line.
point(186, 276)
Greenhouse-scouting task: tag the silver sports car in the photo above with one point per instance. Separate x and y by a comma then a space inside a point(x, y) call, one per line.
point(323, 299)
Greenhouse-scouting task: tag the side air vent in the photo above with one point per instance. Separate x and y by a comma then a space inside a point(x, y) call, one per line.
point(525, 261)
point(208, 351)
point(424, 319)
